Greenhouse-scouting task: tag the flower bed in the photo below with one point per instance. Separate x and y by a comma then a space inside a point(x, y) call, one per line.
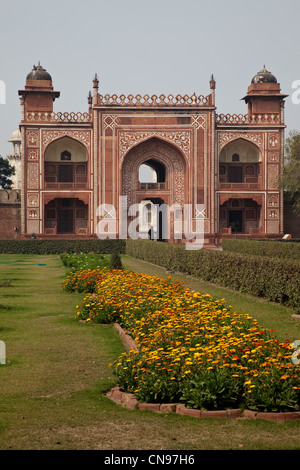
point(83, 281)
point(191, 348)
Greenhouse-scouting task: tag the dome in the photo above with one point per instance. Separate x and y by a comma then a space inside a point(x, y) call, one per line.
point(38, 73)
point(264, 76)
point(16, 136)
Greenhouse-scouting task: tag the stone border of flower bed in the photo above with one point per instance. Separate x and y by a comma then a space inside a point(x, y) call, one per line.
point(129, 400)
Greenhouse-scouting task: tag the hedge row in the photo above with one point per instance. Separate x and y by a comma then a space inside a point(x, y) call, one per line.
point(52, 246)
point(272, 249)
point(272, 278)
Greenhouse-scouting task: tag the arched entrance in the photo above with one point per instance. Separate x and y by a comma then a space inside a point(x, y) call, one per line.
point(240, 216)
point(65, 215)
point(166, 183)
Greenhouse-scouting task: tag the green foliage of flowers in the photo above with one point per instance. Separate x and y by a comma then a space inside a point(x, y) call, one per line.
point(85, 261)
point(85, 270)
point(191, 347)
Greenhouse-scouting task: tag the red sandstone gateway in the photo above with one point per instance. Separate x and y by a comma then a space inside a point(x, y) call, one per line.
point(75, 162)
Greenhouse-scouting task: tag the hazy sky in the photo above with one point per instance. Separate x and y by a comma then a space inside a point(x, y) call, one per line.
point(147, 46)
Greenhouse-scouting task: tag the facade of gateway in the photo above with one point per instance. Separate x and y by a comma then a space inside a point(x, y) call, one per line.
point(75, 163)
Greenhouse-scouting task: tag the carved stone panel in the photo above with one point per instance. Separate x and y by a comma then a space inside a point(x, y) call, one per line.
point(33, 176)
point(273, 176)
point(32, 138)
point(255, 138)
point(273, 157)
point(273, 141)
point(272, 226)
point(50, 135)
point(129, 139)
point(33, 155)
point(273, 201)
point(33, 200)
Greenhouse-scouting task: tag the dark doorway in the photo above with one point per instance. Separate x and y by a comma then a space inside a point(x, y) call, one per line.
point(236, 221)
point(235, 174)
point(65, 221)
point(162, 220)
point(65, 174)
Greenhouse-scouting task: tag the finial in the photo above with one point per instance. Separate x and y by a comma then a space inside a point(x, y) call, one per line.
point(96, 81)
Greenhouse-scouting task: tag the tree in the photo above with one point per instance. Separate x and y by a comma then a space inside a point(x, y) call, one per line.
point(115, 261)
point(291, 171)
point(6, 171)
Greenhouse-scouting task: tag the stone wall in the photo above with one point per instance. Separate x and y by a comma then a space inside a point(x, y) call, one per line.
point(10, 213)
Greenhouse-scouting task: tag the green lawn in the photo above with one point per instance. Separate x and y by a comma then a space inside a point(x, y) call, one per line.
point(51, 389)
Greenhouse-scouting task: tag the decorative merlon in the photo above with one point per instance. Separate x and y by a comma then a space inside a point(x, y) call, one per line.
point(241, 119)
point(58, 117)
point(147, 101)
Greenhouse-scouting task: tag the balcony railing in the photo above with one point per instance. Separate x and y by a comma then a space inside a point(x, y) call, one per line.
point(239, 186)
point(149, 186)
point(62, 185)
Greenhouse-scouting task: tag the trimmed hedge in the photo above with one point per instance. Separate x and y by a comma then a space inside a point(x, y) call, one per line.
point(52, 246)
point(272, 249)
point(275, 279)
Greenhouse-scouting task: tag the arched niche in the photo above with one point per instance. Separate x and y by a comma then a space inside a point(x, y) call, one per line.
point(65, 165)
point(64, 149)
point(245, 150)
point(240, 162)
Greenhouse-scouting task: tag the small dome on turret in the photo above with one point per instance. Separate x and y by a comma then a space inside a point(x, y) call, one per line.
point(264, 76)
point(16, 136)
point(38, 73)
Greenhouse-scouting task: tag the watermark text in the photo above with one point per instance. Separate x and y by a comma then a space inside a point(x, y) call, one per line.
point(2, 353)
point(296, 95)
point(148, 220)
point(2, 92)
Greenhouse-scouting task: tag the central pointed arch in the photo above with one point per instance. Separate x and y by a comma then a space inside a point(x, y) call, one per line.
point(165, 158)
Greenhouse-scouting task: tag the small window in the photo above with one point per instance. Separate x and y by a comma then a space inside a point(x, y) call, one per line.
point(65, 156)
point(235, 157)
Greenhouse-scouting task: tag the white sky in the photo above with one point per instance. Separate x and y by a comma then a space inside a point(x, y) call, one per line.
point(147, 46)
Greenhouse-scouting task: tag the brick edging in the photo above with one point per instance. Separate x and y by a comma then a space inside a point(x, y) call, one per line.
point(127, 340)
point(128, 400)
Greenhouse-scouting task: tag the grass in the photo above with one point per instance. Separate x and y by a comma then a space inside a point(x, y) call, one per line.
point(52, 387)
